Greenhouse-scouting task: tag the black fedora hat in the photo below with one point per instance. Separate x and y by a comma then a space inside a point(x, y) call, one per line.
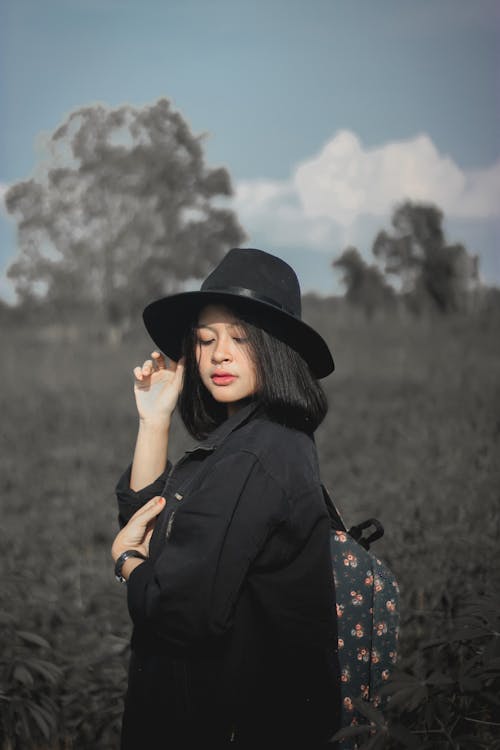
point(248, 280)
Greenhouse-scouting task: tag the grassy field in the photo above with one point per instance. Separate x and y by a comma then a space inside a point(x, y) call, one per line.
point(412, 437)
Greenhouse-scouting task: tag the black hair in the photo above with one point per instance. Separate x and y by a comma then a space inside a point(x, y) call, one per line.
point(286, 389)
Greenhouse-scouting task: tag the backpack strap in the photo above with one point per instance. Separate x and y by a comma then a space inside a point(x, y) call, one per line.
point(356, 532)
point(335, 517)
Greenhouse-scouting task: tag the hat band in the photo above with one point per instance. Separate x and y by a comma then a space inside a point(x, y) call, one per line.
point(250, 294)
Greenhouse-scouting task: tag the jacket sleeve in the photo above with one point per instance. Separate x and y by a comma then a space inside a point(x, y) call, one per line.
point(300, 591)
point(189, 592)
point(129, 501)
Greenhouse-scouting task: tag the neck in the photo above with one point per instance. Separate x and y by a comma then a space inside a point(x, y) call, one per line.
point(235, 406)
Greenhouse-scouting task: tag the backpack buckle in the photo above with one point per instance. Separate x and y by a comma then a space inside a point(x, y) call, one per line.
point(356, 532)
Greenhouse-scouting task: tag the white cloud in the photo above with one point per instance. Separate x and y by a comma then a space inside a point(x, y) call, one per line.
point(346, 185)
point(3, 190)
point(272, 209)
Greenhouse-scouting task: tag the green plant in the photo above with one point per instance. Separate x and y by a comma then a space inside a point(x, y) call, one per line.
point(29, 682)
point(448, 697)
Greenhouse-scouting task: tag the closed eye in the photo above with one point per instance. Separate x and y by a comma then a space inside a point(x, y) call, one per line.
point(205, 342)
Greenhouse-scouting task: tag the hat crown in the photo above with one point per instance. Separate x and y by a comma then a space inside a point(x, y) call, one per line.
point(259, 275)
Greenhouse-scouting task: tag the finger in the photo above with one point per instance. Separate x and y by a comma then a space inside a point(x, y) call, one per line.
point(138, 373)
point(171, 365)
point(147, 367)
point(179, 364)
point(147, 536)
point(179, 373)
point(139, 524)
point(158, 360)
point(149, 509)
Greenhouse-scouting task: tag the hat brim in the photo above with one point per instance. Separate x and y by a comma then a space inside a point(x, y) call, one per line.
point(167, 319)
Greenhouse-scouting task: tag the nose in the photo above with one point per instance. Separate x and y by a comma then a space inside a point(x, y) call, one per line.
point(221, 352)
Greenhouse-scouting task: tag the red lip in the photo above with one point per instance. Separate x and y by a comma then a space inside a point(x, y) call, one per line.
point(223, 378)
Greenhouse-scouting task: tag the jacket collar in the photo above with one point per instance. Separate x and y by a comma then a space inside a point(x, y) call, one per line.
point(229, 425)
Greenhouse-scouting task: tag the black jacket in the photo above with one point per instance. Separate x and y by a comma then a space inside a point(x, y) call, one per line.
point(234, 637)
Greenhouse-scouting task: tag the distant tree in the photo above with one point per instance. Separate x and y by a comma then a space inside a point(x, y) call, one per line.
point(120, 212)
point(429, 269)
point(365, 284)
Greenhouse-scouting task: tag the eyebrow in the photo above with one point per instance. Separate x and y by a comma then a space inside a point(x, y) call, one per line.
point(207, 325)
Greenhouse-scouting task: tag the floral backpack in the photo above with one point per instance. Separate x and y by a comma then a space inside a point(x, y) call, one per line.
point(367, 617)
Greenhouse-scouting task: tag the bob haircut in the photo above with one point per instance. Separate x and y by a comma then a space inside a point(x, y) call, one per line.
point(286, 389)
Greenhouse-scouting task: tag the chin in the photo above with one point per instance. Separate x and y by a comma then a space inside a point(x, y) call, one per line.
point(223, 399)
point(227, 398)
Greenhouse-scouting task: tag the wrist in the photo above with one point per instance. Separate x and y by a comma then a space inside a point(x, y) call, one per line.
point(126, 562)
point(154, 424)
point(130, 565)
point(121, 547)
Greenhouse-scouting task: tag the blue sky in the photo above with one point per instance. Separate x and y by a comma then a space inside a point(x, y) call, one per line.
point(325, 112)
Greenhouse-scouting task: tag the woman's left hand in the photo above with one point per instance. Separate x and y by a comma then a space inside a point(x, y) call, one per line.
point(137, 532)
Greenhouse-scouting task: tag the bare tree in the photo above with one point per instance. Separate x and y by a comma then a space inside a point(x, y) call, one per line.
point(120, 212)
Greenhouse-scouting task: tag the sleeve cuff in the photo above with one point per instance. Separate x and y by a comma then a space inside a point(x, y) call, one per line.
point(129, 500)
point(137, 584)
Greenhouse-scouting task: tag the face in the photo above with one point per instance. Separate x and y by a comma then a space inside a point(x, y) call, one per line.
point(223, 356)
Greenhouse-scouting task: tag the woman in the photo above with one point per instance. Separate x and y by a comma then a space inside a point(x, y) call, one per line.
point(226, 554)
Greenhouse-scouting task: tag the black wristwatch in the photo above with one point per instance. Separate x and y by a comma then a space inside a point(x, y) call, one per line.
point(120, 560)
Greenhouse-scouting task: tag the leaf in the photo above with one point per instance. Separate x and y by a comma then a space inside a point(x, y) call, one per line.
point(37, 715)
point(471, 685)
point(48, 708)
point(23, 675)
point(367, 710)
point(491, 698)
point(462, 634)
point(51, 672)
point(469, 741)
point(22, 722)
point(408, 698)
point(438, 678)
point(394, 686)
point(402, 734)
point(399, 681)
point(6, 618)
point(346, 732)
point(377, 742)
point(433, 644)
point(37, 640)
point(468, 634)
point(493, 665)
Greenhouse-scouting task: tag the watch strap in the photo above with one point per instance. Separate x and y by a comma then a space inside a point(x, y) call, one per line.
point(121, 560)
